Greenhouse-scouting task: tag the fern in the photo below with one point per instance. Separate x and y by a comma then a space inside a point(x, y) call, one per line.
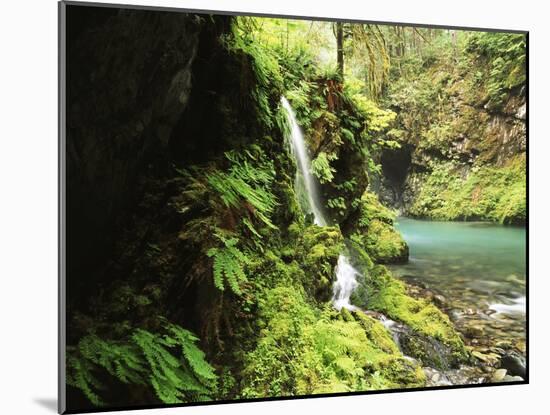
point(321, 168)
point(170, 364)
point(244, 189)
point(119, 360)
point(193, 355)
point(244, 183)
point(222, 201)
point(79, 375)
point(168, 376)
point(228, 264)
point(267, 72)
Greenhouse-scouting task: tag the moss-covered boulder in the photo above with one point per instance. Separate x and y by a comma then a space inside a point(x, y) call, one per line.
point(430, 351)
point(432, 338)
point(319, 251)
point(304, 350)
point(374, 229)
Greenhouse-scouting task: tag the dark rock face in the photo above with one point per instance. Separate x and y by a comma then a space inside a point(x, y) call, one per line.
point(483, 137)
point(129, 83)
point(514, 364)
point(429, 351)
point(396, 164)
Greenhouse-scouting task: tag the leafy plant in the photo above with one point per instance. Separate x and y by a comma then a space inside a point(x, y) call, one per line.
point(489, 193)
point(228, 264)
point(338, 204)
point(245, 184)
point(169, 364)
point(506, 55)
point(321, 168)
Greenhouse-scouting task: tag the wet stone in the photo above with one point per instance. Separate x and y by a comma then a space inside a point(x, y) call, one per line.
point(498, 375)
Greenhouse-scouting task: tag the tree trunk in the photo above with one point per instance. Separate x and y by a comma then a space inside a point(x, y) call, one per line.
point(453, 39)
point(340, 48)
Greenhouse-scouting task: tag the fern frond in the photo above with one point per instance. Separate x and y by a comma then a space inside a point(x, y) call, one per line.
point(79, 375)
point(228, 264)
point(245, 182)
point(170, 363)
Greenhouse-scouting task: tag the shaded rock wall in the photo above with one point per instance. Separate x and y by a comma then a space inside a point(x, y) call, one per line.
point(477, 137)
point(129, 81)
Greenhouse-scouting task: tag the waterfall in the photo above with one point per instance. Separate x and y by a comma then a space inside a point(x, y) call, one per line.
point(303, 174)
point(345, 283)
point(346, 275)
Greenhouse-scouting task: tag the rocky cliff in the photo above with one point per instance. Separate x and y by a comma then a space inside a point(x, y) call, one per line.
point(469, 146)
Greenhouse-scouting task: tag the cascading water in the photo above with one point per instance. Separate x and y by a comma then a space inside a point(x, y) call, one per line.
point(346, 275)
point(346, 282)
point(304, 178)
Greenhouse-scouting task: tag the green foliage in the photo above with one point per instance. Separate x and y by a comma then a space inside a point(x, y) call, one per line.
point(304, 351)
point(374, 230)
point(224, 202)
point(271, 369)
point(338, 205)
point(168, 364)
point(388, 295)
point(384, 243)
point(241, 224)
point(487, 193)
point(376, 118)
point(371, 209)
point(321, 168)
point(300, 96)
point(506, 54)
point(330, 72)
point(437, 137)
point(245, 184)
point(318, 254)
point(451, 113)
point(268, 79)
point(228, 264)
point(370, 50)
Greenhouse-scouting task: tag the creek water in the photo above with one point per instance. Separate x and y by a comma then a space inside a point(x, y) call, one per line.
point(478, 268)
point(308, 193)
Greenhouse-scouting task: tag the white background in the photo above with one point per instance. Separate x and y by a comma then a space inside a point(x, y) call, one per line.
point(28, 204)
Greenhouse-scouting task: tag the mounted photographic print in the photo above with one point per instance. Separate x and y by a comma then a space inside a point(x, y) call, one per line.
point(271, 207)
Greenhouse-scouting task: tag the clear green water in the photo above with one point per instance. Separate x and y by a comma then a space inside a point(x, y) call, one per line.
point(480, 268)
point(486, 257)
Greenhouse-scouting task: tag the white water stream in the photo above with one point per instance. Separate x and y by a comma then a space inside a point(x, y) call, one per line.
point(346, 274)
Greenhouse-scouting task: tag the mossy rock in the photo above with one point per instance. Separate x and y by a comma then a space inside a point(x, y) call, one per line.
point(403, 373)
point(385, 244)
point(430, 351)
point(490, 193)
point(426, 322)
point(319, 251)
point(375, 231)
point(302, 349)
point(377, 333)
